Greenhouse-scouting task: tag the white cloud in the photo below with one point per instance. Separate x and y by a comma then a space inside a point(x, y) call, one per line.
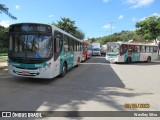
point(156, 14)
point(108, 26)
point(142, 18)
point(50, 16)
point(106, 1)
point(17, 7)
point(120, 17)
point(5, 23)
point(139, 3)
point(134, 19)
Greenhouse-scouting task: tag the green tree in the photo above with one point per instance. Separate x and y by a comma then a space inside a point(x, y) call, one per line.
point(3, 39)
point(149, 28)
point(124, 36)
point(79, 34)
point(4, 9)
point(92, 40)
point(67, 25)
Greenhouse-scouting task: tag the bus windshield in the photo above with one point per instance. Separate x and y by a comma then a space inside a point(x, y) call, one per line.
point(113, 48)
point(34, 46)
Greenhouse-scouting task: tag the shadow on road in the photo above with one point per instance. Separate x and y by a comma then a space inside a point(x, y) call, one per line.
point(93, 81)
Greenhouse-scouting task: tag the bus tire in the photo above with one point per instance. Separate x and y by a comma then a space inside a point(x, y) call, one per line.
point(64, 70)
point(128, 61)
point(149, 59)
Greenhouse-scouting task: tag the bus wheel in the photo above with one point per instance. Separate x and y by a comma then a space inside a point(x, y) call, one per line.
point(64, 70)
point(149, 59)
point(128, 60)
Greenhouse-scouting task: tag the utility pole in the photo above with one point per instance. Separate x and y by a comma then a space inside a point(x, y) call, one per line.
point(111, 26)
point(111, 29)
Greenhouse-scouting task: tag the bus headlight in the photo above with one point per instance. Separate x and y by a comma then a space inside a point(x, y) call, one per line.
point(46, 67)
point(42, 69)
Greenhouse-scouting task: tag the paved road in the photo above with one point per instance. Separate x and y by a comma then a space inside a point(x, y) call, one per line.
point(94, 85)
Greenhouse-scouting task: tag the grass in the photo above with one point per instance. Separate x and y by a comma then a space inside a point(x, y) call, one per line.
point(3, 54)
point(3, 59)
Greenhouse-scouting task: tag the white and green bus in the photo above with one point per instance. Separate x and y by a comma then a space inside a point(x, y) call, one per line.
point(41, 51)
point(129, 52)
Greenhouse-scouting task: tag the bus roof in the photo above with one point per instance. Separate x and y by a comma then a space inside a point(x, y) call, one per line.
point(127, 43)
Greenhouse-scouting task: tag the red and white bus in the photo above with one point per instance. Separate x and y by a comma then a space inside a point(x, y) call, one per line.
point(130, 52)
point(86, 53)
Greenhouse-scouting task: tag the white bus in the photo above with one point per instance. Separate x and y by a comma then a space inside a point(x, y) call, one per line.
point(129, 52)
point(41, 51)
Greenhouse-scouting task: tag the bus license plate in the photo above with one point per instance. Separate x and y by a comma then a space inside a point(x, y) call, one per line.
point(112, 60)
point(25, 73)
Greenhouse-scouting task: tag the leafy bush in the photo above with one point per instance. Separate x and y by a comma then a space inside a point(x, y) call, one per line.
point(4, 51)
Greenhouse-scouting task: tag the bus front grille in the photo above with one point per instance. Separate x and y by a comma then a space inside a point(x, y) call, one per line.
point(25, 73)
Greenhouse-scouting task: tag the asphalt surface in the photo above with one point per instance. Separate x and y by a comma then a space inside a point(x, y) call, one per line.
point(94, 86)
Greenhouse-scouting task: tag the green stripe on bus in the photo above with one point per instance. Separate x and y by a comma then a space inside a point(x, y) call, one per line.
point(22, 65)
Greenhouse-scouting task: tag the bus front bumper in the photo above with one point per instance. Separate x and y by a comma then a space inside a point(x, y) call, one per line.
point(12, 70)
point(111, 60)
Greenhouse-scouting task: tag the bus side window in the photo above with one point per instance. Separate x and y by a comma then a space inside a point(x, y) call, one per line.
point(129, 50)
point(58, 38)
point(138, 48)
point(66, 43)
point(143, 49)
point(75, 45)
point(151, 49)
point(57, 41)
point(135, 48)
point(147, 49)
point(71, 44)
point(57, 45)
point(123, 49)
point(155, 49)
